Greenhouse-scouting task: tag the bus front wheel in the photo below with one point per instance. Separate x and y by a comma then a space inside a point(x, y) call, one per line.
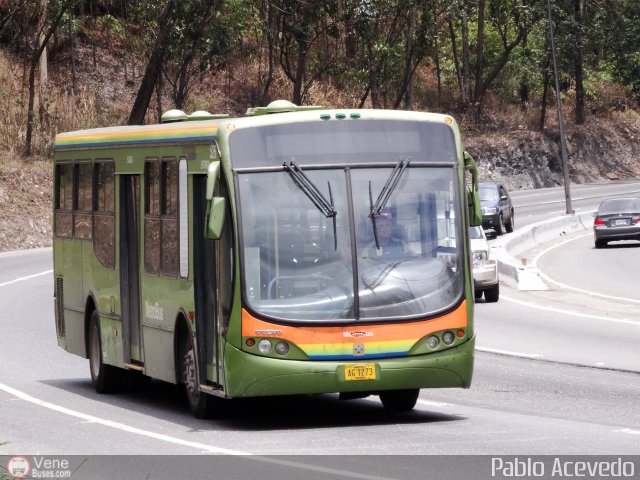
point(397, 401)
point(105, 378)
point(200, 403)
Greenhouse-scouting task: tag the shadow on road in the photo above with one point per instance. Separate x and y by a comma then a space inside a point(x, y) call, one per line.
point(166, 401)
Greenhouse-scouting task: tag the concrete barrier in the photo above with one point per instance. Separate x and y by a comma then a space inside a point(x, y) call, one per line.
point(516, 272)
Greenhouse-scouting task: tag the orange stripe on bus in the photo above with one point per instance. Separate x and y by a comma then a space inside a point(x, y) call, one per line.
point(253, 327)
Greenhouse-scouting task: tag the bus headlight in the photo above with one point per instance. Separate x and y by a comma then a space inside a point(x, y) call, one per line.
point(433, 342)
point(282, 348)
point(448, 338)
point(264, 346)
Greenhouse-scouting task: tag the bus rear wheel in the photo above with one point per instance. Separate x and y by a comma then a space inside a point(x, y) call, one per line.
point(105, 378)
point(397, 401)
point(200, 403)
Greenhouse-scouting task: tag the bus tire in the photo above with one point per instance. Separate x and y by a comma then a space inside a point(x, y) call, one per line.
point(398, 401)
point(200, 403)
point(105, 378)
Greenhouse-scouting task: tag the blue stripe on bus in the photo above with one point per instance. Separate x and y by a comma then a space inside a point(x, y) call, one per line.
point(358, 357)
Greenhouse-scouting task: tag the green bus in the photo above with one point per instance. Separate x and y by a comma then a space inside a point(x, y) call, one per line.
point(295, 250)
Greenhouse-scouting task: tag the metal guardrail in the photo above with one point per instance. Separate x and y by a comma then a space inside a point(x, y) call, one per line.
point(514, 271)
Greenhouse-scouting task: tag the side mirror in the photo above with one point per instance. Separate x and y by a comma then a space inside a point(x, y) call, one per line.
point(473, 199)
point(213, 176)
point(215, 218)
point(216, 206)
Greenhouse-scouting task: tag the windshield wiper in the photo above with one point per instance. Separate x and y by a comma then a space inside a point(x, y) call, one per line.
point(325, 206)
point(385, 193)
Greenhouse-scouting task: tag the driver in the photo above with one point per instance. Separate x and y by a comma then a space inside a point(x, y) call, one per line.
point(390, 245)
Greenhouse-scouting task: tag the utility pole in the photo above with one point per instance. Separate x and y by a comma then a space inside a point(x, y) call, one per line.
point(563, 141)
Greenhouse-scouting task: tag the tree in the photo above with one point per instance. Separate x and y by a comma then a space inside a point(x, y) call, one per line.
point(41, 38)
point(195, 38)
point(303, 22)
point(154, 66)
point(579, 69)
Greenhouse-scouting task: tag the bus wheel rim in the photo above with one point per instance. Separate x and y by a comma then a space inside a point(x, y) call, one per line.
point(95, 352)
point(189, 373)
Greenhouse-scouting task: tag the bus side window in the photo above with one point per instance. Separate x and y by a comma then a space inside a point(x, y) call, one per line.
point(63, 201)
point(161, 217)
point(169, 194)
point(83, 201)
point(104, 214)
point(152, 217)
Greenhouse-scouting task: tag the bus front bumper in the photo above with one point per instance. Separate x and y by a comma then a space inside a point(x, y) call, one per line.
point(249, 375)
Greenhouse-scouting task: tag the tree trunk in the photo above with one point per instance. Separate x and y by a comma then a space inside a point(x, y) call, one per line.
point(153, 70)
point(301, 69)
point(41, 42)
point(579, 109)
point(43, 100)
point(466, 66)
point(409, 54)
point(456, 60)
point(72, 57)
point(436, 55)
point(545, 91)
point(479, 92)
point(270, 32)
point(159, 84)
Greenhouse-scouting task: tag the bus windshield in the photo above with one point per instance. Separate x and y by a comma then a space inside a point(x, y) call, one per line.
point(298, 266)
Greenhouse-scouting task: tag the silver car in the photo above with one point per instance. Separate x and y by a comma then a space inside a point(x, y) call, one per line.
point(617, 219)
point(485, 267)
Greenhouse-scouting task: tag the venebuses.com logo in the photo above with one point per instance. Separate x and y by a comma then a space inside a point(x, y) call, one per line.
point(38, 467)
point(18, 467)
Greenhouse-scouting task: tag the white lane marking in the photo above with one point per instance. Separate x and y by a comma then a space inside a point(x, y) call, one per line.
point(185, 443)
point(569, 287)
point(28, 277)
point(633, 190)
point(628, 430)
point(511, 354)
point(430, 403)
point(567, 312)
point(119, 426)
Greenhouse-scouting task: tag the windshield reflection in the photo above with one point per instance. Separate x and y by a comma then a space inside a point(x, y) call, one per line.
point(293, 271)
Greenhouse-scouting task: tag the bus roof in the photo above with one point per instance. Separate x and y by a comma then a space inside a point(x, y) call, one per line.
point(193, 131)
point(206, 131)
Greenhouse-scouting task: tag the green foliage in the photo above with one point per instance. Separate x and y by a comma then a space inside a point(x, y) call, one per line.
point(372, 49)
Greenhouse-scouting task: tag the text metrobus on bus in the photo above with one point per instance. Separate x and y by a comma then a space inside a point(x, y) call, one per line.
point(295, 250)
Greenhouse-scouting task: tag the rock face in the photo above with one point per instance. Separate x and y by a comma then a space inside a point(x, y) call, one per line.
point(526, 159)
point(602, 150)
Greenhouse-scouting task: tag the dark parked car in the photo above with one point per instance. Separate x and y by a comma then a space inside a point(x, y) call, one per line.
point(617, 219)
point(497, 208)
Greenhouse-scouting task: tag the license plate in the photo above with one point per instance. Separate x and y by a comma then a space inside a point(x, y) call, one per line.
point(363, 371)
point(621, 222)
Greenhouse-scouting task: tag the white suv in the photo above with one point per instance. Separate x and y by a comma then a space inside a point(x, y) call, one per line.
point(485, 268)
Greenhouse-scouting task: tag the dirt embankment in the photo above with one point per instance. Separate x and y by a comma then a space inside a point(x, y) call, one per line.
point(25, 206)
point(599, 151)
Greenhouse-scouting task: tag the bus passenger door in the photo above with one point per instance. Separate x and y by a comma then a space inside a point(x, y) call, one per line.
point(130, 268)
point(206, 305)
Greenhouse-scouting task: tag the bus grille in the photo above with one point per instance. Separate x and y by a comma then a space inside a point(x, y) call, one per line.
point(59, 307)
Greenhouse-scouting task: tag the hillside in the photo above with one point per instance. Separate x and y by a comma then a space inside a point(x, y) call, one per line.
point(599, 151)
point(506, 146)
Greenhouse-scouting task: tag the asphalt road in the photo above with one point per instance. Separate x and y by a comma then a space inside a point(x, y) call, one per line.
point(548, 380)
